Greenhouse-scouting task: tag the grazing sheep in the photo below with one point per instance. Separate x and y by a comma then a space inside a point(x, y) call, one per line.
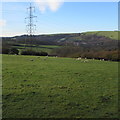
point(85, 61)
point(78, 58)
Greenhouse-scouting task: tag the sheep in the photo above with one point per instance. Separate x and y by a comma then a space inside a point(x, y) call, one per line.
point(85, 61)
point(78, 58)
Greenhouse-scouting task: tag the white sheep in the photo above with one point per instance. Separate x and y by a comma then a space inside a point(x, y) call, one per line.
point(79, 58)
point(85, 61)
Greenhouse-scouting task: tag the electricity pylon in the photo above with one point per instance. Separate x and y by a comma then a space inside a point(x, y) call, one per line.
point(31, 27)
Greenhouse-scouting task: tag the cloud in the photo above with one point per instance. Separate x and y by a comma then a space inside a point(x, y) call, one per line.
point(53, 5)
point(2, 23)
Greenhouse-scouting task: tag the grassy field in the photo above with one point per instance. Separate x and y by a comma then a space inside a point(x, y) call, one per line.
point(109, 34)
point(59, 88)
point(44, 48)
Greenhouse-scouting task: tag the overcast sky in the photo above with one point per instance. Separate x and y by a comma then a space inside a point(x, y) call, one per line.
point(59, 17)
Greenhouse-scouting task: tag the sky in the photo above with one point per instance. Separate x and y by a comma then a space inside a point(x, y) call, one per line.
point(59, 17)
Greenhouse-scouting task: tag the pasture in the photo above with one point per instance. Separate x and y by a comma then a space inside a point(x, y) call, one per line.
point(45, 48)
point(39, 87)
point(109, 34)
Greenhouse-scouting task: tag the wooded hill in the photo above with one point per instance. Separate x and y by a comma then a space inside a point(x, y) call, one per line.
point(77, 43)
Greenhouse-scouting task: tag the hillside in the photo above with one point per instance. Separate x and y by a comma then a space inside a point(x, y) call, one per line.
point(63, 39)
point(109, 34)
point(103, 44)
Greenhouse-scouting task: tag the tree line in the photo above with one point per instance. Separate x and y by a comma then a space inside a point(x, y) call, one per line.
point(76, 52)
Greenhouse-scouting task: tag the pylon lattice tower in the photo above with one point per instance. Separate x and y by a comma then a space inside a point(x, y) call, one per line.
point(31, 27)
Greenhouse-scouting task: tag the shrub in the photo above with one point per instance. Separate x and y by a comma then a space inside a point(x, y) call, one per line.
point(43, 53)
point(34, 53)
point(5, 50)
point(14, 51)
point(8, 50)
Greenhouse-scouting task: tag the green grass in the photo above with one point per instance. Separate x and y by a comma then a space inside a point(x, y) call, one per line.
point(59, 88)
point(44, 48)
point(109, 34)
